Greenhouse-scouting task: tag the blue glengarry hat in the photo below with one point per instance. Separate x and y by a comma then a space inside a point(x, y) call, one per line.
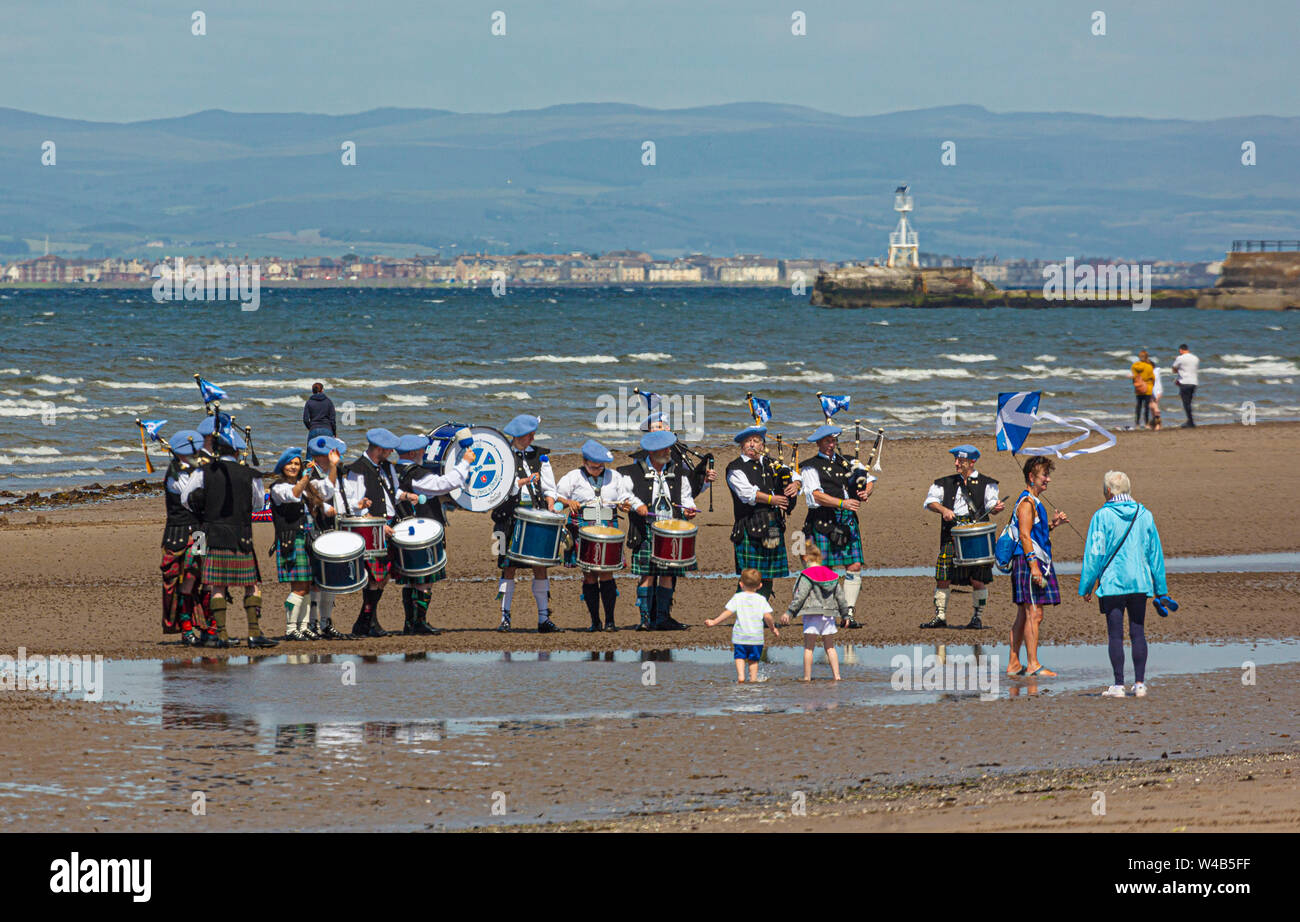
point(658, 441)
point(596, 453)
point(186, 441)
point(382, 438)
point(522, 424)
point(236, 440)
point(822, 431)
point(655, 417)
point(412, 443)
point(752, 430)
point(965, 451)
point(285, 457)
point(324, 444)
point(207, 426)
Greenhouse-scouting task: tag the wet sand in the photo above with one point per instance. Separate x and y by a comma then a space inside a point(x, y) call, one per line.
point(86, 582)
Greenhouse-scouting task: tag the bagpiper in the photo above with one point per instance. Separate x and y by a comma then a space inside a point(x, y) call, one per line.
point(832, 522)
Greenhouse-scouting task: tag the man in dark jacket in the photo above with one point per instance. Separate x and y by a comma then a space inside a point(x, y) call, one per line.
point(318, 414)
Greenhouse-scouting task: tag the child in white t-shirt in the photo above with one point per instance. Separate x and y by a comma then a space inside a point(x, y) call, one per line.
point(752, 613)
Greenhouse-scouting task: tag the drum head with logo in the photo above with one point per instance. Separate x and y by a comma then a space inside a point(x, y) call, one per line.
point(492, 474)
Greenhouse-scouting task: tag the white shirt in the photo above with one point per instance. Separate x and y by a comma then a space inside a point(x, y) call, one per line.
point(614, 488)
point(812, 482)
point(1186, 367)
point(745, 489)
point(660, 492)
point(195, 482)
point(1158, 390)
point(355, 486)
point(959, 506)
point(750, 607)
point(325, 487)
point(176, 485)
point(432, 484)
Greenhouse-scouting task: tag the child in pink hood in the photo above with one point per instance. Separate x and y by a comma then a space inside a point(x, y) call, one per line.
point(819, 598)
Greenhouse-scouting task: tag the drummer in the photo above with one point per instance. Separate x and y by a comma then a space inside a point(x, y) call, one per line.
point(371, 484)
point(593, 494)
point(662, 490)
point(326, 470)
point(534, 487)
point(290, 493)
point(758, 505)
point(959, 499)
point(832, 522)
point(417, 481)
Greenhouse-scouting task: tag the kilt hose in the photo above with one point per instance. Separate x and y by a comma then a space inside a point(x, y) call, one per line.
point(945, 566)
point(839, 557)
point(769, 562)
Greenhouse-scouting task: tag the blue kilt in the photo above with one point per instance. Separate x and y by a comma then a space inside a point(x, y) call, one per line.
point(839, 557)
point(1023, 590)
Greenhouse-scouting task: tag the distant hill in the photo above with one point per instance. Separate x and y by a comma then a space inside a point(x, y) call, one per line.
point(756, 178)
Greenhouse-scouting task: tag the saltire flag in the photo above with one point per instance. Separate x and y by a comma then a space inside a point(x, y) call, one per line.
point(152, 427)
point(762, 409)
point(225, 428)
point(651, 400)
point(1017, 413)
point(832, 405)
point(210, 391)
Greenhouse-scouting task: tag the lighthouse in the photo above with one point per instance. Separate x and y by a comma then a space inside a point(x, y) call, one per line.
point(903, 250)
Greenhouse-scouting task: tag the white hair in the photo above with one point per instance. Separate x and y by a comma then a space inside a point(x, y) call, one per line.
point(1116, 482)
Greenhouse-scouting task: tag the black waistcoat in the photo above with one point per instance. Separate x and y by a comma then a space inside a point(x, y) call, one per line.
point(974, 491)
point(377, 486)
point(527, 462)
point(178, 515)
point(432, 505)
point(760, 476)
point(289, 519)
point(228, 505)
point(834, 475)
point(643, 488)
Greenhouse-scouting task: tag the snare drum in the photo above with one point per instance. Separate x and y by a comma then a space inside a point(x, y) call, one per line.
point(419, 546)
point(535, 540)
point(371, 530)
point(600, 548)
point(672, 543)
point(973, 544)
point(338, 561)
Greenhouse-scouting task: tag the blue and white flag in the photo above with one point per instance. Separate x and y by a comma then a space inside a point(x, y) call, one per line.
point(1084, 425)
point(209, 390)
point(1017, 413)
point(225, 428)
point(762, 409)
point(652, 400)
point(832, 405)
point(152, 427)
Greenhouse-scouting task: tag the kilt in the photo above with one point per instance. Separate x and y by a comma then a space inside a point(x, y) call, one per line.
point(840, 557)
point(403, 580)
point(296, 567)
point(223, 567)
point(380, 569)
point(769, 563)
point(946, 569)
point(1023, 590)
point(641, 565)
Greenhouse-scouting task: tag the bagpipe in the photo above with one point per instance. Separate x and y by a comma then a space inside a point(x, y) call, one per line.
point(696, 465)
point(149, 432)
point(779, 474)
point(859, 473)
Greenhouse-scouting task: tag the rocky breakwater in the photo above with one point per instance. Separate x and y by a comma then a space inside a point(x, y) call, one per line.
point(1256, 281)
point(881, 286)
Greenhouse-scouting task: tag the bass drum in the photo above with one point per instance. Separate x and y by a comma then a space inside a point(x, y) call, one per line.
point(492, 474)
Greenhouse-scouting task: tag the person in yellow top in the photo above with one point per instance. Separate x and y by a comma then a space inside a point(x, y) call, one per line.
point(1144, 382)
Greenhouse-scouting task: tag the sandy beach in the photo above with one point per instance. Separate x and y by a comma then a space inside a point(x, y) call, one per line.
point(86, 582)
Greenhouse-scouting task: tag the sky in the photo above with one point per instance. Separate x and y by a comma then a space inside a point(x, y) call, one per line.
point(131, 60)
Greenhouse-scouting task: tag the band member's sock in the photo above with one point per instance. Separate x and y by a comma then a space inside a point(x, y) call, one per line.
point(408, 595)
point(767, 590)
point(980, 597)
point(542, 593)
point(608, 596)
point(643, 604)
point(253, 609)
point(852, 586)
point(293, 612)
point(369, 608)
point(186, 613)
point(506, 594)
point(203, 609)
point(941, 604)
point(420, 606)
point(313, 617)
point(325, 609)
point(218, 608)
point(591, 595)
point(665, 606)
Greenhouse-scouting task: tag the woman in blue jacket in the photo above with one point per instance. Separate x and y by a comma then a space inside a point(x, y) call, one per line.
point(1124, 562)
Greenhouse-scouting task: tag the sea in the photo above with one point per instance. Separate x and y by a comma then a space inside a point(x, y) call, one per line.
point(79, 366)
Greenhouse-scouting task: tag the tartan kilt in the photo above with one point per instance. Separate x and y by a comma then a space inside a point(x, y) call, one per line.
point(295, 568)
point(641, 562)
point(381, 568)
point(403, 580)
point(1023, 590)
point(945, 566)
point(839, 557)
point(223, 567)
point(770, 563)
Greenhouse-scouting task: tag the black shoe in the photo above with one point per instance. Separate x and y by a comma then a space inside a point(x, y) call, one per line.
point(256, 643)
point(191, 639)
point(595, 628)
point(609, 626)
point(504, 626)
point(424, 627)
point(215, 642)
point(975, 624)
point(293, 635)
point(360, 628)
point(375, 629)
point(644, 626)
point(668, 624)
point(548, 627)
point(936, 621)
point(330, 632)
point(850, 624)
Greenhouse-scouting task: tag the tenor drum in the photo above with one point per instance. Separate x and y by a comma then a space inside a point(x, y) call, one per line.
point(420, 547)
point(338, 561)
point(973, 543)
point(673, 543)
point(371, 530)
point(600, 548)
point(491, 476)
point(535, 540)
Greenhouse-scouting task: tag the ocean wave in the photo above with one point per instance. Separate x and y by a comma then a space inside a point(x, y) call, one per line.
point(55, 379)
point(291, 401)
point(1257, 369)
point(141, 385)
point(1246, 359)
point(10, 371)
point(25, 458)
point(911, 374)
point(650, 356)
point(738, 366)
point(568, 359)
point(510, 395)
point(406, 400)
point(1044, 358)
point(968, 357)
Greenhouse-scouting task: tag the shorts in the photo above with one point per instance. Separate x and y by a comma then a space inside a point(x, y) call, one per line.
point(752, 652)
point(821, 625)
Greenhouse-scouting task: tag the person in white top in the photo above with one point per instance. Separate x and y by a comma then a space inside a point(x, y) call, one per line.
point(593, 494)
point(752, 613)
point(1157, 391)
point(1187, 371)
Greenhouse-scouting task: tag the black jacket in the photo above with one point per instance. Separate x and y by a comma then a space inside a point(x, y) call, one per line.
point(319, 414)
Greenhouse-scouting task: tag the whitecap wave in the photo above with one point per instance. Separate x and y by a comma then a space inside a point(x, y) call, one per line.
point(568, 359)
point(650, 357)
point(968, 357)
point(738, 366)
point(406, 400)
